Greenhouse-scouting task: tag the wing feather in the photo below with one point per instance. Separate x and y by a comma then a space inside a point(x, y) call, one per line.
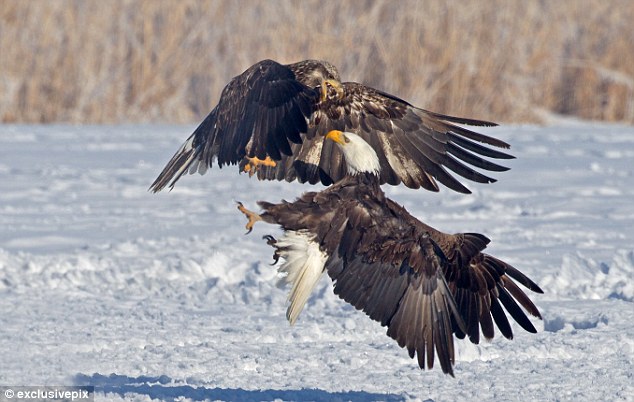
point(477, 148)
point(398, 281)
point(482, 285)
point(474, 160)
point(479, 285)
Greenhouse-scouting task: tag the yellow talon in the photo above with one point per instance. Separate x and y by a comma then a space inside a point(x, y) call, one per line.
point(327, 86)
point(252, 166)
point(251, 216)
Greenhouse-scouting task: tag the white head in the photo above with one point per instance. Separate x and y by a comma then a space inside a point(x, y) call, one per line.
point(360, 156)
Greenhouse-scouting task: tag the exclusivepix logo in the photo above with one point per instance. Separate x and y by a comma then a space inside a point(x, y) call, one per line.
point(48, 393)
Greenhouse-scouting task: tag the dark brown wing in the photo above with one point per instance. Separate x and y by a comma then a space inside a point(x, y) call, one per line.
point(405, 292)
point(380, 266)
point(415, 146)
point(481, 284)
point(485, 285)
point(260, 112)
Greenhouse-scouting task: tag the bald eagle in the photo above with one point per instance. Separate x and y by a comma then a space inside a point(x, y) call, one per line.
point(424, 285)
point(271, 120)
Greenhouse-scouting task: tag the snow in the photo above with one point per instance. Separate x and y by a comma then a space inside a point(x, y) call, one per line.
point(162, 296)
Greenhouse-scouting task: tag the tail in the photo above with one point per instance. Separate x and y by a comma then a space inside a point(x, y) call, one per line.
point(302, 268)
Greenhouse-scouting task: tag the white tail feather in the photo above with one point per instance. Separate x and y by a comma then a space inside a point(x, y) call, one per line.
point(302, 267)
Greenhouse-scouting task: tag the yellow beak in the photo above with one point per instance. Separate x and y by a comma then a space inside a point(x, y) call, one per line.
point(333, 83)
point(337, 136)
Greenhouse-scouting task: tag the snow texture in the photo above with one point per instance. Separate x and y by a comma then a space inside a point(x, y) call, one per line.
point(162, 296)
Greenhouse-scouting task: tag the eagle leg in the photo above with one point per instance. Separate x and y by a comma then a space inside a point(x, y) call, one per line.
point(251, 216)
point(252, 165)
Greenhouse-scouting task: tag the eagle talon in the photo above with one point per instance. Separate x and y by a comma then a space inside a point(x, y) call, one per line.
point(327, 87)
point(271, 241)
point(251, 216)
point(252, 165)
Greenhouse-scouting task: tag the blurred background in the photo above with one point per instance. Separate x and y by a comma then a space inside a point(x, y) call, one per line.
point(125, 61)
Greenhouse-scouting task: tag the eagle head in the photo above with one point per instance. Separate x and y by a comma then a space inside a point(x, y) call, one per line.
point(359, 155)
point(321, 75)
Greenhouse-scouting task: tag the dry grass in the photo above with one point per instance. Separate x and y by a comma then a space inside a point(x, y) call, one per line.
point(90, 61)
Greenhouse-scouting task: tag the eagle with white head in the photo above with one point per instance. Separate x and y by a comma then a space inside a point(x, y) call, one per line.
point(422, 284)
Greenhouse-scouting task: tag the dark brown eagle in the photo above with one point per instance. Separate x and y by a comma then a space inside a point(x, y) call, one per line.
point(424, 285)
point(272, 118)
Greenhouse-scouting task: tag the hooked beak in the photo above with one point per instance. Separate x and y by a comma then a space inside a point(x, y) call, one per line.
point(337, 136)
point(326, 85)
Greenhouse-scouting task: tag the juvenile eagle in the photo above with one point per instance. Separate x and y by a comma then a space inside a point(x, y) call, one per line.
point(424, 285)
point(271, 120)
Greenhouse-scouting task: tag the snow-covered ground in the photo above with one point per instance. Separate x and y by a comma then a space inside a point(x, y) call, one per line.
point(162, 296)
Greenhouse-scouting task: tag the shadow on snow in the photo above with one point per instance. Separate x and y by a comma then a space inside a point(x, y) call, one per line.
point(164, 388)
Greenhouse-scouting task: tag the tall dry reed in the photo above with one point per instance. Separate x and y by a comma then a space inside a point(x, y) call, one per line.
point(113, 61)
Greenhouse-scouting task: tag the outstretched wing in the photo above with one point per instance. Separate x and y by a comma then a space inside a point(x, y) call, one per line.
point(415, 146)
point(396, 277)
point(406, 293)
point(481, 284)
point(381, 267)
point(260, 112)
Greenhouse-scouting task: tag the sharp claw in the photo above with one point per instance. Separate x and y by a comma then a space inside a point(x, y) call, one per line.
point(251, 216)
point(270, 240)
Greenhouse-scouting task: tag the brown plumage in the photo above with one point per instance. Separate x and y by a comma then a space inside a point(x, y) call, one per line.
point(423, 284)
point(283, 111)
